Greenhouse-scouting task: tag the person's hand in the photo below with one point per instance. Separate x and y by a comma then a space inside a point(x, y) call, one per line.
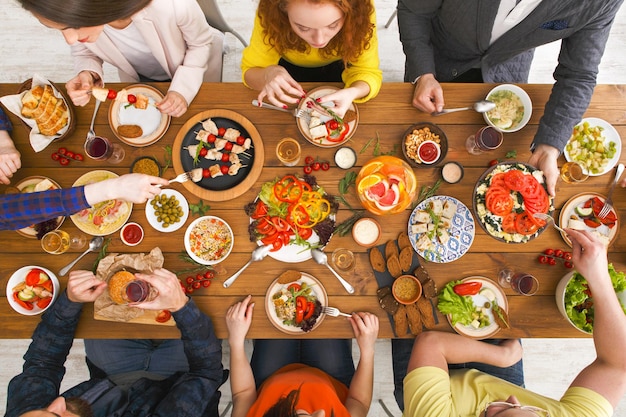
point(79, 88)
point(173, 104)
point(428, 94)
point(238, 320)
point(280, 88)
point(10, 160)
point(589, 254)
point(342, 99)
point(365, 328)
point(83, 286)
point(544, 157)
point(171, 295)
point(136, 188)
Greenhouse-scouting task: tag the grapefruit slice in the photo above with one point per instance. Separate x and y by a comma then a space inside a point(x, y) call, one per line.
point(390, 199)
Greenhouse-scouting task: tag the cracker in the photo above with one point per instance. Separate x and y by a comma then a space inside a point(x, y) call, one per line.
point(406, 259)
point(401, 322)
point(288, 276)
point(377, 260)
point(393, 265)
point(415, 318)
point(403, 240)
point(391, 249)
point(426, 311)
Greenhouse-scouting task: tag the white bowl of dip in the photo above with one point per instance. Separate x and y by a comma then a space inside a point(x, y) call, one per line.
point(366, 232)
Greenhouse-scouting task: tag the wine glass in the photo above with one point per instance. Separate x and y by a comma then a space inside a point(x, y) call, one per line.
point(504, 276)
point(100, 148)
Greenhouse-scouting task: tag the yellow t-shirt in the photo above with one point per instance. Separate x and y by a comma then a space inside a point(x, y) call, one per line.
point(259, 54)
point(430, 391)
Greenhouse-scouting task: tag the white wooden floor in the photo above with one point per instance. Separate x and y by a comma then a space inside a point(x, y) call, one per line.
point(27, 48)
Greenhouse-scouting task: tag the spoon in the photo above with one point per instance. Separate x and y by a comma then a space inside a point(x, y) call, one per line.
point(481, 106)
point(257, 255)
point(321, 258)
point(94, 244)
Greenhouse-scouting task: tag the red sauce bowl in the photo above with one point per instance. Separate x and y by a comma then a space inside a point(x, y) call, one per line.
point(429, 151)
point(131, 234)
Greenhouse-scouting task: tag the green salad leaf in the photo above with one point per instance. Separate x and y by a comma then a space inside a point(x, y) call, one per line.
point(460, 308)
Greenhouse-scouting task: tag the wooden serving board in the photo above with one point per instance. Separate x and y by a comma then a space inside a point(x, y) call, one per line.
point(149, 317)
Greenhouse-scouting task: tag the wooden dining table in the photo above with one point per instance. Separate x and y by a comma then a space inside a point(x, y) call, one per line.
point(383, 119)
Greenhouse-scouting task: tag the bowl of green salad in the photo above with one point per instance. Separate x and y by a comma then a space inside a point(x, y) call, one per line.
point(575, 299)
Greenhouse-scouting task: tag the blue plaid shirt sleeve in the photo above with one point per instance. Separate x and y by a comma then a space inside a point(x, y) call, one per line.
point(5, 123)
point(22, 210)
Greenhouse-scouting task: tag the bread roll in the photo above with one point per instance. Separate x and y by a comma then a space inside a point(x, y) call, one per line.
point(117, 285)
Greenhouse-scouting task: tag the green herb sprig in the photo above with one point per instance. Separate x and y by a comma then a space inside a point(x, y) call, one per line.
point(345, 226)
point(167, 156)
point(377, 151)
point(101, 254)
point(427, 191)
point(199, 209)
point(197, 267)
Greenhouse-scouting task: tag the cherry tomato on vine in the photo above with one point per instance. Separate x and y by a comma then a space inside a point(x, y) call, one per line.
point(55, 156)
point(549, 252)
point(567, 256)
point(196, 285)
point(316, 166)
point(309, 160)
point(69, 154)
point(307, 169)
point(62, 151)
point(558, 253)
point(551, 261)
point(206, 283)
point(568, 264)
point(64, 161)
point(189, 280)
point(543, 259)
point(325, 166)
point(79, 157)
point(209, 274)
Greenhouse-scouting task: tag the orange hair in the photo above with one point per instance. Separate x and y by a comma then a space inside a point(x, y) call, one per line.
point(350, 42)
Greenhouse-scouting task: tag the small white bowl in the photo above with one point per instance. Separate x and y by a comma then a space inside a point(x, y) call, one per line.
point(127, 225)
point(152, 218)
point(526, 102)
point(432, 144)
point(366, 232)
point(191, 253)
point(18, 277)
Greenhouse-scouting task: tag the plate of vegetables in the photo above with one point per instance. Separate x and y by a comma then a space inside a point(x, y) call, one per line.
point(474, 306)
point(581, 213)
point(596, 144)
point(295, 307)
point(506, 197)
point(325, 128)
point(32, 289)
point(293, 215)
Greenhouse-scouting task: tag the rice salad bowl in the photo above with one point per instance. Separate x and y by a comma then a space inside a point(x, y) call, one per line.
point(506, 197)
point(209, 240)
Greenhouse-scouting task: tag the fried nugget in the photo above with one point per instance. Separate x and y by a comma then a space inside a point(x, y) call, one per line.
point(401, 322)
point(288, 276)
point(377, 260)
point(426, 311)
point(415, 319)
point(391, 249)
point(393, 265)
point(130, 131)
point(403, 240)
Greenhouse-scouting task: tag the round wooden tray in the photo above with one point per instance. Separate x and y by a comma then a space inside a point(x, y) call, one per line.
point(253, 171)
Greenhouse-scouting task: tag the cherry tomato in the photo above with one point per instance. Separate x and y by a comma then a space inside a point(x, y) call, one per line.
point(467, 288)
point(568, 264)
point(211, 138)
point(196, 285)
point(209, 274)
point(206, 173)
point(111, 94)
point(493, 162)
point(206, 283)
point(549, 252)
point(189, 289)
point(132, 98)
point(228, 146)
point(309, 160)
point(55, 156)
point(189, 280)
point(558, 253)
point(69, 154)
point(163, 316)
point(64, 161)
point(325, 166)
point(221, 131)
point(294, 286)
point(224, 169)
point(316, 166)
point(567, 256)
point(307, 169)
point(225, 157)
point(79, 157)
point(332, 124)
point(543, 259)
point(62, 151)
point(203, 152)
point(552, 261)
point(240, 140)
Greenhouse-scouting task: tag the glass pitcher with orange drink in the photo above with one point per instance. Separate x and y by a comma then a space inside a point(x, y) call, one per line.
point(386, 185)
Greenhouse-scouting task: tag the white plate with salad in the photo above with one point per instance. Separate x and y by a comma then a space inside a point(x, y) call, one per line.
point(581, 213)
point(594, 142)
point(277, 221)
point(468, 304)
point(295, 307)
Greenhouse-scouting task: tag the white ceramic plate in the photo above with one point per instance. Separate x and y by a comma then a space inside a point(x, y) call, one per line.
point(461, 232)
point(610, 135)
point(153, 123)
point(152, 218)
point(479, 300)
point(30, 182)
point(275, 286)
point(18, 277)
point(113, 222)
point(221, 223)
point(569, 208)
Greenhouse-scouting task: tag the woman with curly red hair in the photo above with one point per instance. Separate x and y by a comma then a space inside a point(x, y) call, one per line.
point(296, 41)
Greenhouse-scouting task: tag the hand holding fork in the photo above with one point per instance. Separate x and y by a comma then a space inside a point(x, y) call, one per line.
point(608, 203)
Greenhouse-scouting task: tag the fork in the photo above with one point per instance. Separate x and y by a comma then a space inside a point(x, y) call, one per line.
point(334, 312)
point(92, 133)
point(297, 113)
point(184, 177)
point(548, 219)
point(608, 203)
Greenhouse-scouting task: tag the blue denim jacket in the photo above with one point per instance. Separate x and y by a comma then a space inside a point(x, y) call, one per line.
point(193, 393)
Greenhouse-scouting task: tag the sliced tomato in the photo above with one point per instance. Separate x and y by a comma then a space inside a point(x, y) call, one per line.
point(163, 316)
point(592, 223)
point(33, 276)
point(508, 223)
point(525, 225)
point(260, 210)
point(310, 309)
point(294, 286)
point(276, 244)
point(280, 224)
point(270, 239)
point(515, 180)
point(498, 203)
point(284, 237)
point(300, 308)
point(265, 227)
point(305, 232)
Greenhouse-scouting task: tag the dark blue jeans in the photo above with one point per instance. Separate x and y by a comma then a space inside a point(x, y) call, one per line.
point(333, 356)
point(401, 353)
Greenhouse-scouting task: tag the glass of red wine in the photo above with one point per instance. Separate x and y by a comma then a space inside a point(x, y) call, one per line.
point(101, 149)
point(520, 282)
point(486, 139)
point(136, 291)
